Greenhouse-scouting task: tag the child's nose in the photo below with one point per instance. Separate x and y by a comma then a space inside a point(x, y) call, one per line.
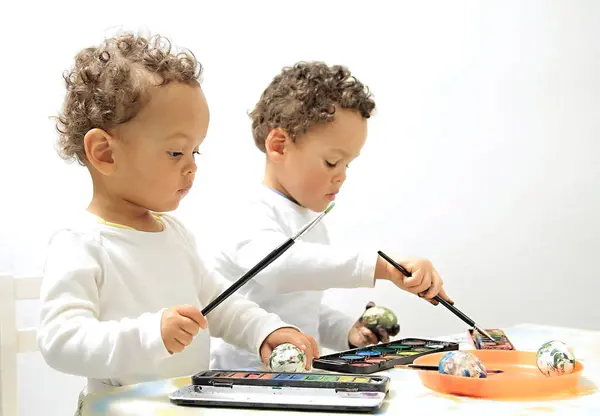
point(340, 177)
point(191, 168)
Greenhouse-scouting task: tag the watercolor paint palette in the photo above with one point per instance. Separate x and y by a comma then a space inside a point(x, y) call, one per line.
point(380, 357)
point(482, 343)
point(270, 390)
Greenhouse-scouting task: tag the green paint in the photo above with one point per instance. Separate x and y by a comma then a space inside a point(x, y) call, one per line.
point(384, 350)
point(399, 347)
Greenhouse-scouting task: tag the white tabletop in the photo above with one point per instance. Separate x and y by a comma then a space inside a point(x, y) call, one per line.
point(406, 396)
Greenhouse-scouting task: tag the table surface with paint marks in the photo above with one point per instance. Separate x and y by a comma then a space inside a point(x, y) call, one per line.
point(406, 396)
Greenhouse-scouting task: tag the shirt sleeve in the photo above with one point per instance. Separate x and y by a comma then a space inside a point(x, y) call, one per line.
point(334, 327)
point(305, 265)
point(236, 320)
point(71, 337)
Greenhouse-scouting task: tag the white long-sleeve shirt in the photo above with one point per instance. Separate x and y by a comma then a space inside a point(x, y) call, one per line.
point(293, 285)
point(103, 293)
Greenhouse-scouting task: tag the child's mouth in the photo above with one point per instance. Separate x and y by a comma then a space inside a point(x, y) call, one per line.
point(184, 191)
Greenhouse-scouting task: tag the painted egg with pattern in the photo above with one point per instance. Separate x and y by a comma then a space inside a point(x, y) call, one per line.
point(462, 364)
point(555, 358)
point(287, 358)
point(379, 316)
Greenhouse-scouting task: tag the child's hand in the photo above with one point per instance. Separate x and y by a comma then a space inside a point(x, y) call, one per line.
point(280, 336)
point(361, 336)
point(179, 325)
point(424, 282)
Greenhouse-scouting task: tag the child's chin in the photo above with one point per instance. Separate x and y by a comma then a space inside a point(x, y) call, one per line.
point(166, 207)
point(319, 207)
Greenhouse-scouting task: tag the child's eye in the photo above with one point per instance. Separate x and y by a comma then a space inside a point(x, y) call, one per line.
point(330, 165)
point(175, 154)
point(196, 152)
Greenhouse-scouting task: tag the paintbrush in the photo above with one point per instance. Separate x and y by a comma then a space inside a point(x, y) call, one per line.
point(436, 368)
point(264, 262)
point(444, 302)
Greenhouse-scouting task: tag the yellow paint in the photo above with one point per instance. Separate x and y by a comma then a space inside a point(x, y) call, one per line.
point(181, 382)
point(361, 380)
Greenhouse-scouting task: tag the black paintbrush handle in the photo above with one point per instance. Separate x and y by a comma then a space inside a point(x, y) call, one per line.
point(455, 311)
point(444, 302)
point(248, 275)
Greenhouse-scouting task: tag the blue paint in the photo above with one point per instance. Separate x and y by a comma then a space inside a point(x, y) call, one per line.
point(369, 353)
point(353, 357)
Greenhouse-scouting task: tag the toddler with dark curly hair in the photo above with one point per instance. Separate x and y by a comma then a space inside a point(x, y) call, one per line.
point(310, 122)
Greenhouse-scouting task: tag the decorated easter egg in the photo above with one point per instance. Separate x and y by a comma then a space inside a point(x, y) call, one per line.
point(287, 358)
point(555, 358)
point(375, 316)
point(463, 364)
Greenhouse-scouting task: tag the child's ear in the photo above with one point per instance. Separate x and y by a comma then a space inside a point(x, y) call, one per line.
point(276, 144)
point(97, 144)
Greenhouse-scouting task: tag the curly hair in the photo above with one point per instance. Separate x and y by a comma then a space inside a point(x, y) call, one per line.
point(108, 85)
point(307, 94)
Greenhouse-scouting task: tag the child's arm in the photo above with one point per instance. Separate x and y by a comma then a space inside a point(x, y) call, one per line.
point(305, 266)
point(238, 321)
point(70, 336)
point(334, 327)
point(313, 266)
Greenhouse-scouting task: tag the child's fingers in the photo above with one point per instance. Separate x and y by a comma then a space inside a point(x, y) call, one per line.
point(187, 325)
point(183, 337)
point(424, 285)
point(315, 347)
point(314, 351)
point(443, 295)
point(175, 346)
point(415, 280)
point(369, 335)
point(434, 289)
point(383, 335)
point(266, 354)
point(310, 348)
point(194, 314)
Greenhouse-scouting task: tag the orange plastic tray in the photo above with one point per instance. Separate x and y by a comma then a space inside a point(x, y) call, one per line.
point(521, 378)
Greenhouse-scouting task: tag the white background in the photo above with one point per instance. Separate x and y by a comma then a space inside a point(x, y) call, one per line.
point(483, 155)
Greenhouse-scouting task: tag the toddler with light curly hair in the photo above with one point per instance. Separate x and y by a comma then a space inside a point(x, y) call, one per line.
point(123, 285)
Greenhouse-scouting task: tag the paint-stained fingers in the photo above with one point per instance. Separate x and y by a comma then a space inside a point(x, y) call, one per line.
point(370, 338)
point(383, 334)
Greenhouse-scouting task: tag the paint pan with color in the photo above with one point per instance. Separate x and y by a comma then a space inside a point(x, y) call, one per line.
point(351, 358)
point(384, 350)
point(400, 347)
point(414, 342)
point(369, 353)
point(384, 356)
